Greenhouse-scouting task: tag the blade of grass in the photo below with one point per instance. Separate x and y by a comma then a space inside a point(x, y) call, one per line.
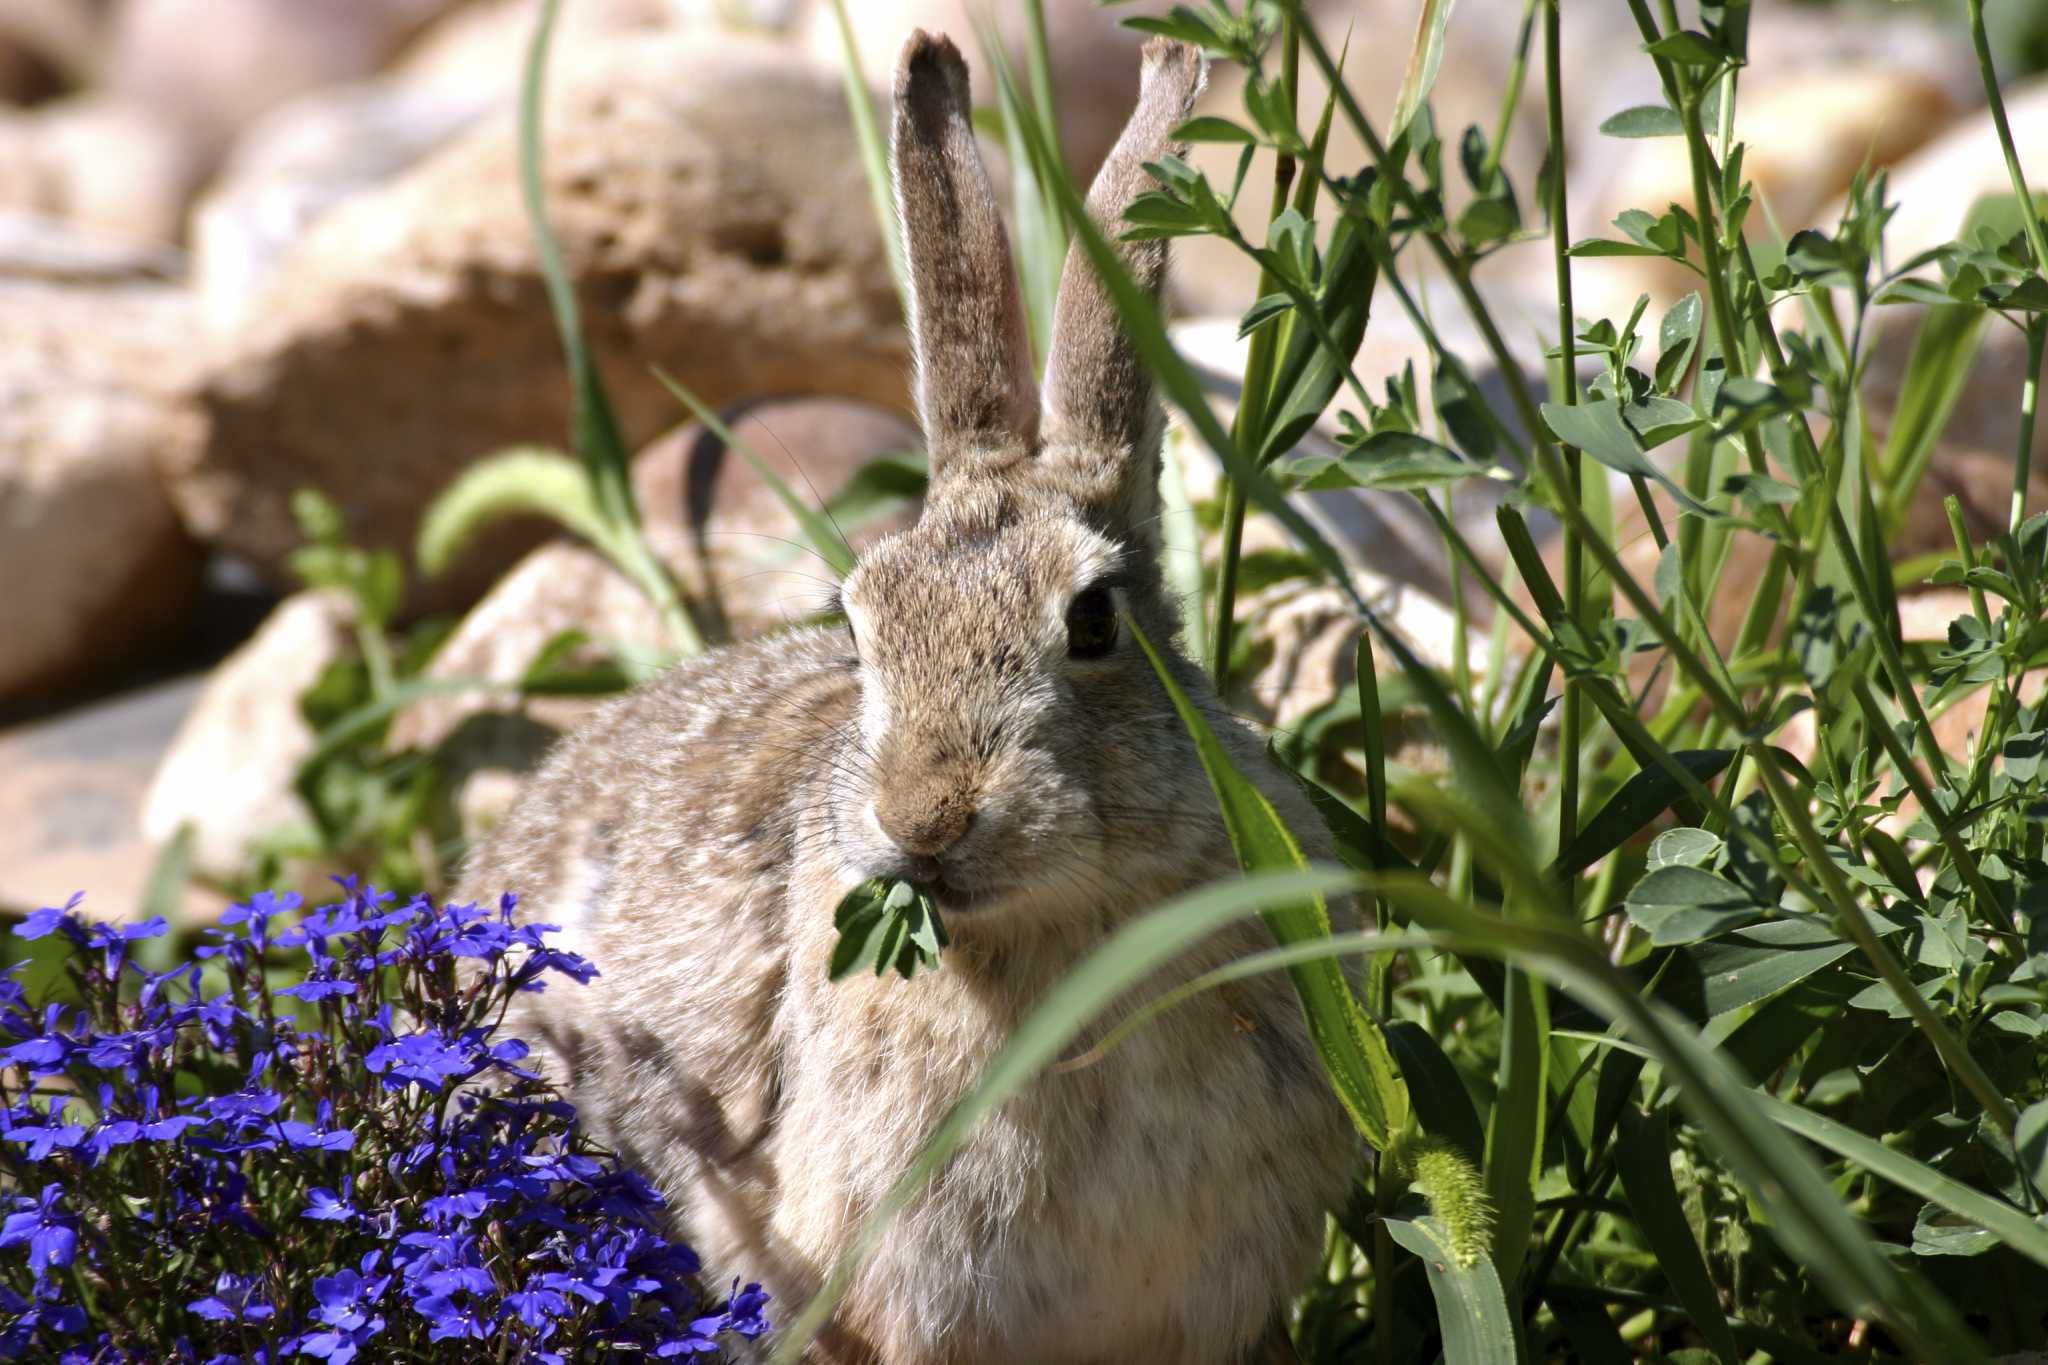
point(595, 427)
point(1355, 1055)
point(874, 153)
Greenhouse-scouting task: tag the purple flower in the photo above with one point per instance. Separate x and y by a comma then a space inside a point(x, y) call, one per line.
point(306, 1136)
point(325, 1206)
point(51, 1234)
point(233, 1300)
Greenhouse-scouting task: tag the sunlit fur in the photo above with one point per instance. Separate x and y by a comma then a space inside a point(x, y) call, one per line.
point(1157, 1205)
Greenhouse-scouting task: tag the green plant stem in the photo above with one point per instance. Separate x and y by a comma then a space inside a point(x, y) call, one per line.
point(1568, 394)
point(2030, 216)
point(1247, 425)
point(1512, 96)
point(2030, 392)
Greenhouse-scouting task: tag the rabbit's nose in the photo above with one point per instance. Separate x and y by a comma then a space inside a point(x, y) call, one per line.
point(923, 824)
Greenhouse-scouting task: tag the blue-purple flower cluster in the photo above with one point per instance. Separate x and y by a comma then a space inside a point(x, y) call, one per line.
point(313, 1141)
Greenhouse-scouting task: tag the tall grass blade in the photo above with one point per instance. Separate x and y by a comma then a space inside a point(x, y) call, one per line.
point(1353, 1052)
point(874, 153)
point(595, 433)
point(1944, 351)
point(1424, 57)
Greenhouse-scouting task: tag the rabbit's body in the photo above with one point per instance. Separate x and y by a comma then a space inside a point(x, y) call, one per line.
point(985, 727)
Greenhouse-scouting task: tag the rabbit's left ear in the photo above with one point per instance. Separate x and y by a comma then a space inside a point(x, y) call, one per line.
point(1102, 424)
point(975, 393)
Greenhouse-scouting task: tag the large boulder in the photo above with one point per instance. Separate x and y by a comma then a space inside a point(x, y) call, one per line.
point(228, 772)
point(713, 213)
point(97, 569)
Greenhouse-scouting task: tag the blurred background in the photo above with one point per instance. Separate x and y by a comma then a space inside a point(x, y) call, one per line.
point(253, 246)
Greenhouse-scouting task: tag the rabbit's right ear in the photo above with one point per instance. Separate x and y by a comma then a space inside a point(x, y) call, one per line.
point(975, 391)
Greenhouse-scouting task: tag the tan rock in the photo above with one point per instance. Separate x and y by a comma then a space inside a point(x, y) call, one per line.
point(297, 161)
point(732, 544)
point(714, 214)
point(107, 164)
point(206, 67)
point(97, 568)
point(228, 772)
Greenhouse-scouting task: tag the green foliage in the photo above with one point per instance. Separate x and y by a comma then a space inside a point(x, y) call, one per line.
point(883, 925)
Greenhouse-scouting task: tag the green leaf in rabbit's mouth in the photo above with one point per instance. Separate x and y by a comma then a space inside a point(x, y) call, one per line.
point(884, 924)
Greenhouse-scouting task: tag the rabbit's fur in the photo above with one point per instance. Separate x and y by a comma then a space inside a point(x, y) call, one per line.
point(694, 839)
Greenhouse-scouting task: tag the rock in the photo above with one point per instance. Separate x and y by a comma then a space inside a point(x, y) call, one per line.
point(722, 531)
point(68, 810)
point(713, 211)
point(299, 160)
point(206, 67)
point(106, 164)
point(228, 772)
point(35, 246)
point(97, 568)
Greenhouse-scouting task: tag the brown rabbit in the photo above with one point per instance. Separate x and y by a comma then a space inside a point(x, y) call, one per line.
point(985, 726)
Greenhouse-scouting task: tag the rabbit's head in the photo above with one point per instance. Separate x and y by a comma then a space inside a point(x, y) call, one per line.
point(1014, 747)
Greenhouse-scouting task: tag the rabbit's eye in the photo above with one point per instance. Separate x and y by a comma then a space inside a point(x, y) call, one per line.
point(1091, 623)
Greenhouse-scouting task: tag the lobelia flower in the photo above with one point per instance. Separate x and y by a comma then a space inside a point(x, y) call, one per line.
point(360, 1166)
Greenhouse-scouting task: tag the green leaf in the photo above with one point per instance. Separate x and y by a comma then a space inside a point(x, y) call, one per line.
point(1757, 962)
point(1598, 429)
point(1591, 248)
point(1471, 1309)
point(1209, 128)
point(1642, 1155)
point(522, 481)
point(1396, 460)
point(1677, 339)
point(1642, 798)
point(882, 925)
point(1644, 120)
point(1354, 1053)
point(1685, 904)
point(1688, 48)
point(2030, 1140)
point(1424, 57)
point(1442, 1104)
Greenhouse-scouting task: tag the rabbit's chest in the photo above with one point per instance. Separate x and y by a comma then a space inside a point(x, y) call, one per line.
point(1161, 1194)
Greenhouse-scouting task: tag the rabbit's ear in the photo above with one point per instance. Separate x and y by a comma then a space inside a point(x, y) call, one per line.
point(1102, 423)
point(975, 392)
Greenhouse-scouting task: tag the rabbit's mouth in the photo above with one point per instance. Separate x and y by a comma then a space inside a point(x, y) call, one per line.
point(955, 899)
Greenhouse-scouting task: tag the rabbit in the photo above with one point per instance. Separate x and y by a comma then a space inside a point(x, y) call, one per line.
point(985, 724)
